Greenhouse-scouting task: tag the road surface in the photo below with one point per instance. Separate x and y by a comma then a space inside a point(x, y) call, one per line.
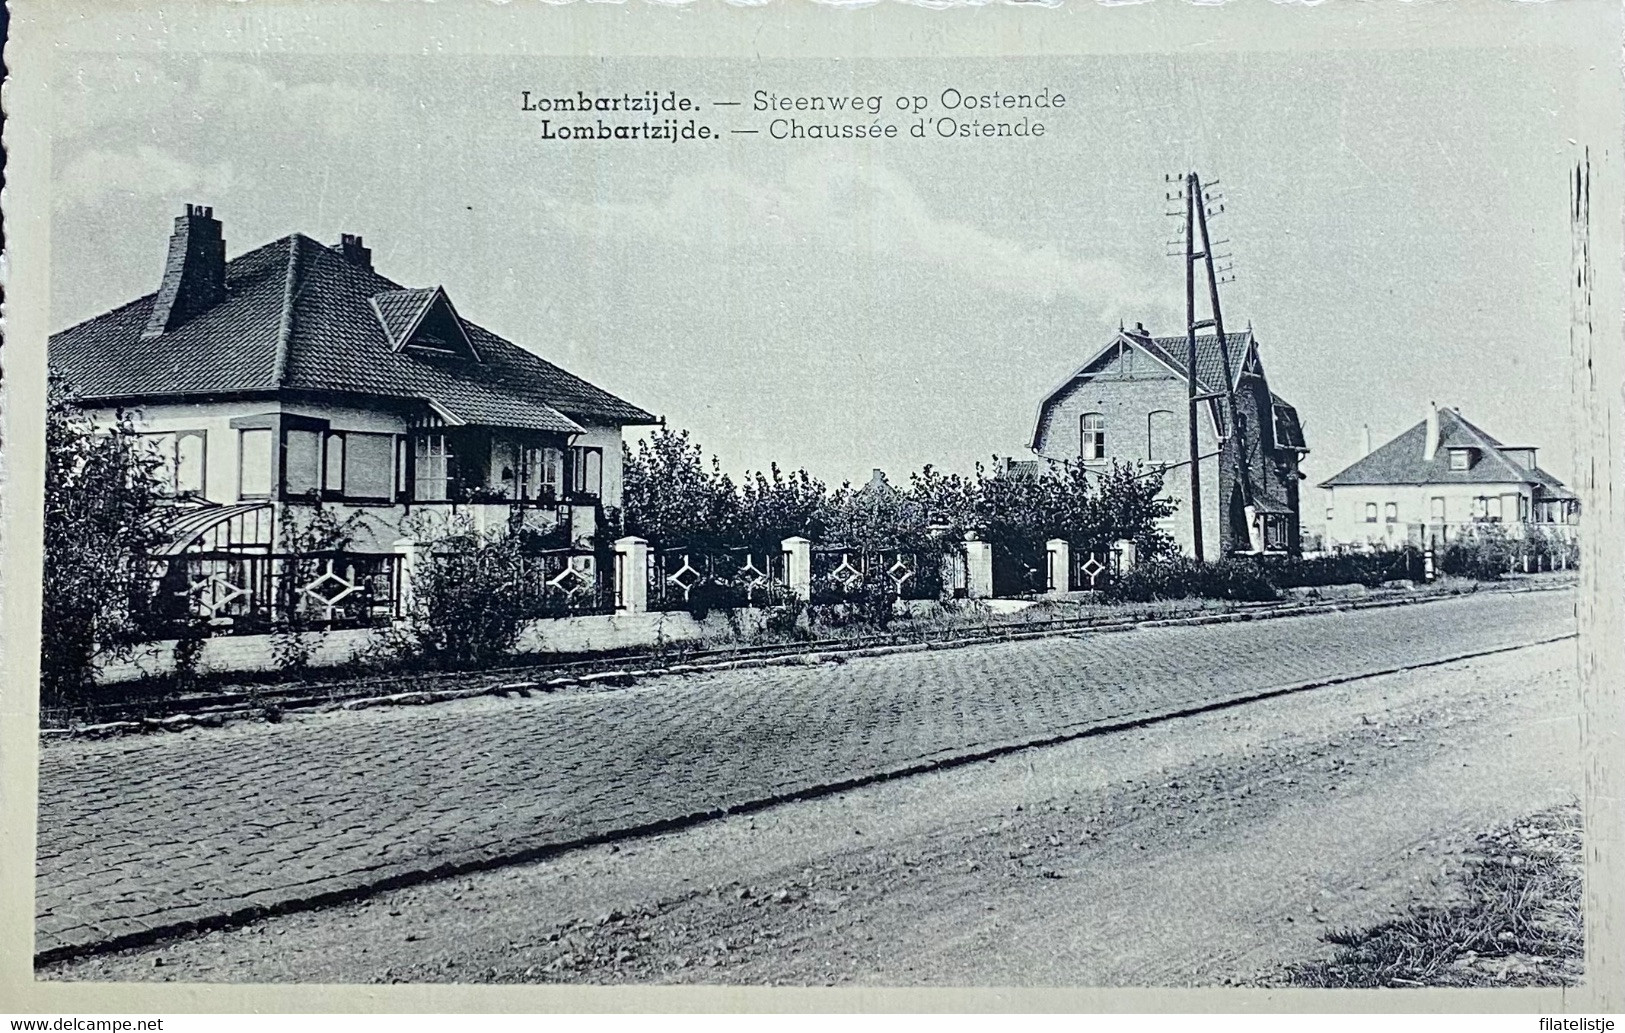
point(143, 830)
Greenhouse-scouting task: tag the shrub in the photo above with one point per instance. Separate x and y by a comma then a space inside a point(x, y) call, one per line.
point(1184, 578)
point(101, 497)
point(1483, 553)
point(869, 601)
point(715, 594)
point(469, 602)
point(306, 533)
point(784, 619)
point(1366, 568)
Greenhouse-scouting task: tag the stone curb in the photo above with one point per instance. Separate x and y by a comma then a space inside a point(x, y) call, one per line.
point(479, 858)
point(625, 677)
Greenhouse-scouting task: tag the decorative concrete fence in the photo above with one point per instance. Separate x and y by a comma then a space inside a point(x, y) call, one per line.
point(631, 597)
point(1085, 570)
point(647, 579)
point(247, 592)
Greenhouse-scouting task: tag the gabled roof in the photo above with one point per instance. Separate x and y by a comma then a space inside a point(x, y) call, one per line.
point(299, 316)
point(1402, 460)
point(1173, 352)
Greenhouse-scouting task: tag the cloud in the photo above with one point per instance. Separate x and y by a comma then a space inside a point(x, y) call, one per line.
point(121, 93)
point(841, 205)
point(99, 173)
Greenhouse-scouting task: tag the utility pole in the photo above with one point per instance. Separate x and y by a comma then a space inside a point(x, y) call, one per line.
point(1200, 205)
point(1190, 363)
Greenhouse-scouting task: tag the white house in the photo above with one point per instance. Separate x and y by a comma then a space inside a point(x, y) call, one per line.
point(296, 372)
point(1442, 475)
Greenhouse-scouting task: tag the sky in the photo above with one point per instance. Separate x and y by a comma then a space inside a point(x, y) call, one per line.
point(1397, 220)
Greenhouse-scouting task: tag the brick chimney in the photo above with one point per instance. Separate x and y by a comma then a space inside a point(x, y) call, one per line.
point(1430, 447)
point(351, 248)
point(194, 273)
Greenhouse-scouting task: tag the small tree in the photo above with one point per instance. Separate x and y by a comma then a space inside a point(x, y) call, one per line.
point(102, 494)
point(469, 599)
point(1482, 551)
point(774, 506)
point(670, 496)
point(1089, 508)
point(1128, 505)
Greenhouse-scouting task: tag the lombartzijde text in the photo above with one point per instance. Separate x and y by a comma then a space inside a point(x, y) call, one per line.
point(949, 113)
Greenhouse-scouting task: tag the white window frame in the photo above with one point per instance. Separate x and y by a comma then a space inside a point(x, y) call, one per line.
point(166, 445)
point(344, 489)
point(586, 470)
point(431, 465)
point(271, 478)
point(1092, 437)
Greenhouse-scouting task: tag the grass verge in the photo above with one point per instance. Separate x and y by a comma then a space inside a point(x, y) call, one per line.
point(1518, 921)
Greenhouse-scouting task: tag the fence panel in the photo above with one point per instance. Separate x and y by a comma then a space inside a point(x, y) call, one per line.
point(716, 579)
point(1019, 570)
point(567, 582)
point(1096, 569)
point(907, 574)
point(246, 593)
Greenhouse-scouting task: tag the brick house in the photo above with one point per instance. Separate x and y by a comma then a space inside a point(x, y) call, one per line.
point(1439, 476)
point(296, 372)
point(1130, 403)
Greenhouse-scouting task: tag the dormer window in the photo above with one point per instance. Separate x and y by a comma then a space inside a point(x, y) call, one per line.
point(424, 322)
point(1461, 459)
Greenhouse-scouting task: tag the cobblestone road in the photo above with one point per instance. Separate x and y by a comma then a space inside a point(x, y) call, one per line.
point(151, 832)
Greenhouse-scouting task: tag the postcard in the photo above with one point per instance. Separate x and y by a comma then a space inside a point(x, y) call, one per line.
point(1091, 507)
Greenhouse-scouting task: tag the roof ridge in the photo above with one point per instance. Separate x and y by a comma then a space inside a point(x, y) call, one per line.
point(284, 336)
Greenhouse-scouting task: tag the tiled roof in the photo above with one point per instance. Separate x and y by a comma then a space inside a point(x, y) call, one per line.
point(399, 311)
point(1021, 470)
point(1401, 461)
point(1266, 501)
point(475, 406)
point(297, 315)
point(1554, 487)
point(1174, 351)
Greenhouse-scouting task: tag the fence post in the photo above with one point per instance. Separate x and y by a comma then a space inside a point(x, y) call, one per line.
point(978, 567)
point(798, 566)
point(407, 550)
point(1060, 565)
point(632, 574)
point(1126, 555)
